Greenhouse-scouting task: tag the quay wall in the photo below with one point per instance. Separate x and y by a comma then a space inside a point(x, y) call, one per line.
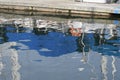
point(67, 7)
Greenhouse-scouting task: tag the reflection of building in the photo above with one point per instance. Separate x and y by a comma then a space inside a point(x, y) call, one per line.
point(27, 22)
point(43, 27)
point(107, 31)
point(76, 28)
point(51, 25)
point(42, 23)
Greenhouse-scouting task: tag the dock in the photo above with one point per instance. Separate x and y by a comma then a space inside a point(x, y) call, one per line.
point(59, 7)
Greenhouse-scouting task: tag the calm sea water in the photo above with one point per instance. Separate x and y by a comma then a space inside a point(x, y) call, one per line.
point(32, 54)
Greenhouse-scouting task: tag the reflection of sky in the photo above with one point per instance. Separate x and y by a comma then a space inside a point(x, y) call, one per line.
point(53, 43)
point(56, 43)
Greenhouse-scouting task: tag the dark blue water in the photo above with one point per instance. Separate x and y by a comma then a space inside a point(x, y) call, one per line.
point(55, 55)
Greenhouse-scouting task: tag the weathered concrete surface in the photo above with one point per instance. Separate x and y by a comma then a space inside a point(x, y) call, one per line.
point(53, 5)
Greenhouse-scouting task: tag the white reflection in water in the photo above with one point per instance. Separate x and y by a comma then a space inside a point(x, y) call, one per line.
point(1, 67)
point(114, 67)
point(81, 69)
point(104, 67)
point(15, 65)
point(45, 49)
point(1, 63)
point(85, 58)
point(9, 57)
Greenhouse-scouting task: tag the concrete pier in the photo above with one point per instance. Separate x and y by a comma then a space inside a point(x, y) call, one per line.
point(63, 7)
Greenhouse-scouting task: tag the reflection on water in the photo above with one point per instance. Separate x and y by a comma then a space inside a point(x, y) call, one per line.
point(114, 68)
point(104, 67)
point(3, 37)
point(9, 65)
point(41, 49)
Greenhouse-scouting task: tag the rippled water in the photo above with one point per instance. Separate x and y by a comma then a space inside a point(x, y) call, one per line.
point(28, 53)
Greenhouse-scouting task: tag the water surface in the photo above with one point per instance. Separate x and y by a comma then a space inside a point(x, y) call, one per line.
point(29, 53)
